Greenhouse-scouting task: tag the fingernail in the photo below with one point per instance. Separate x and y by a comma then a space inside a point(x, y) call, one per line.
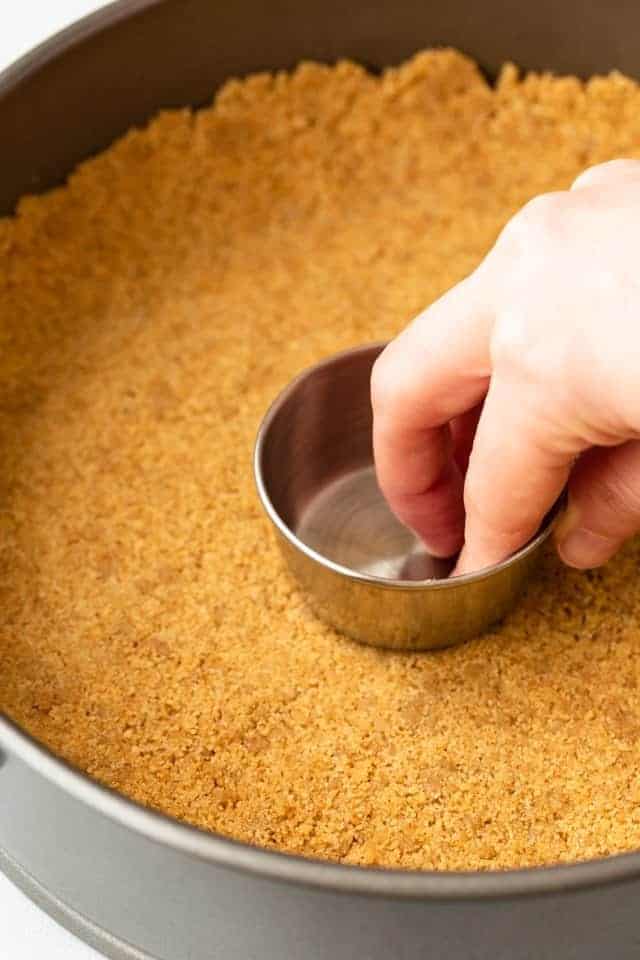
point(579, 547)
point(584, 549)
point(568, 520)
point(466, 563)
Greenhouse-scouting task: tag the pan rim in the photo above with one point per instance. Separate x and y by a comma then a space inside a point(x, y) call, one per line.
point(225, 852)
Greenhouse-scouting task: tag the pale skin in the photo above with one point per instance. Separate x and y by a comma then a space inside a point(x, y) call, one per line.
point(521, 380)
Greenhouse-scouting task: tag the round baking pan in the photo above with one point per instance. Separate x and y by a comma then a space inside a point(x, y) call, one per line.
point(136, 884)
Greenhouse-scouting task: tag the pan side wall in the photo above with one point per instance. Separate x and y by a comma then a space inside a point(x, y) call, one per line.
point(168, 904)
point(88, 89)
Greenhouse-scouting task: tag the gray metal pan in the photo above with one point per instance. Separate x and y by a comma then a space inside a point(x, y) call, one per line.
point(139, 885)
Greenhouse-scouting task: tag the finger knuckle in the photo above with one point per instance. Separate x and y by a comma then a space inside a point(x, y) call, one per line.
point(520, 357)
point(609, 171)
point(530, 356)
point(383, 383)
point(590, 175)
point(538, 222)
point(511, 340)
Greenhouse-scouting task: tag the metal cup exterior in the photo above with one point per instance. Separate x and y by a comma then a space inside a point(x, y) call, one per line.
point(318, 429)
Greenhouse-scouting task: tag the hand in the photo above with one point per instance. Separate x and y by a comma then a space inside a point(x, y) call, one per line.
point(521, 379)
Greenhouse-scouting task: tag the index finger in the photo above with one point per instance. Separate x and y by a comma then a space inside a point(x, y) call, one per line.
point(513, 480)
point(437, 369)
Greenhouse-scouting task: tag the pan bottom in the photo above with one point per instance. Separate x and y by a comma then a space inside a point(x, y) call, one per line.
point(77, 924)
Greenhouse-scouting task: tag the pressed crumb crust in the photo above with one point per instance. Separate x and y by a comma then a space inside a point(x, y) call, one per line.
point(150, 310)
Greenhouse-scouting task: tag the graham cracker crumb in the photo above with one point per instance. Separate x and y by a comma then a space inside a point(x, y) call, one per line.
point(150, 310)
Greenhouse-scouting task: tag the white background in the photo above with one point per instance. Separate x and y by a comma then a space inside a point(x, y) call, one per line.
point(25, 932)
